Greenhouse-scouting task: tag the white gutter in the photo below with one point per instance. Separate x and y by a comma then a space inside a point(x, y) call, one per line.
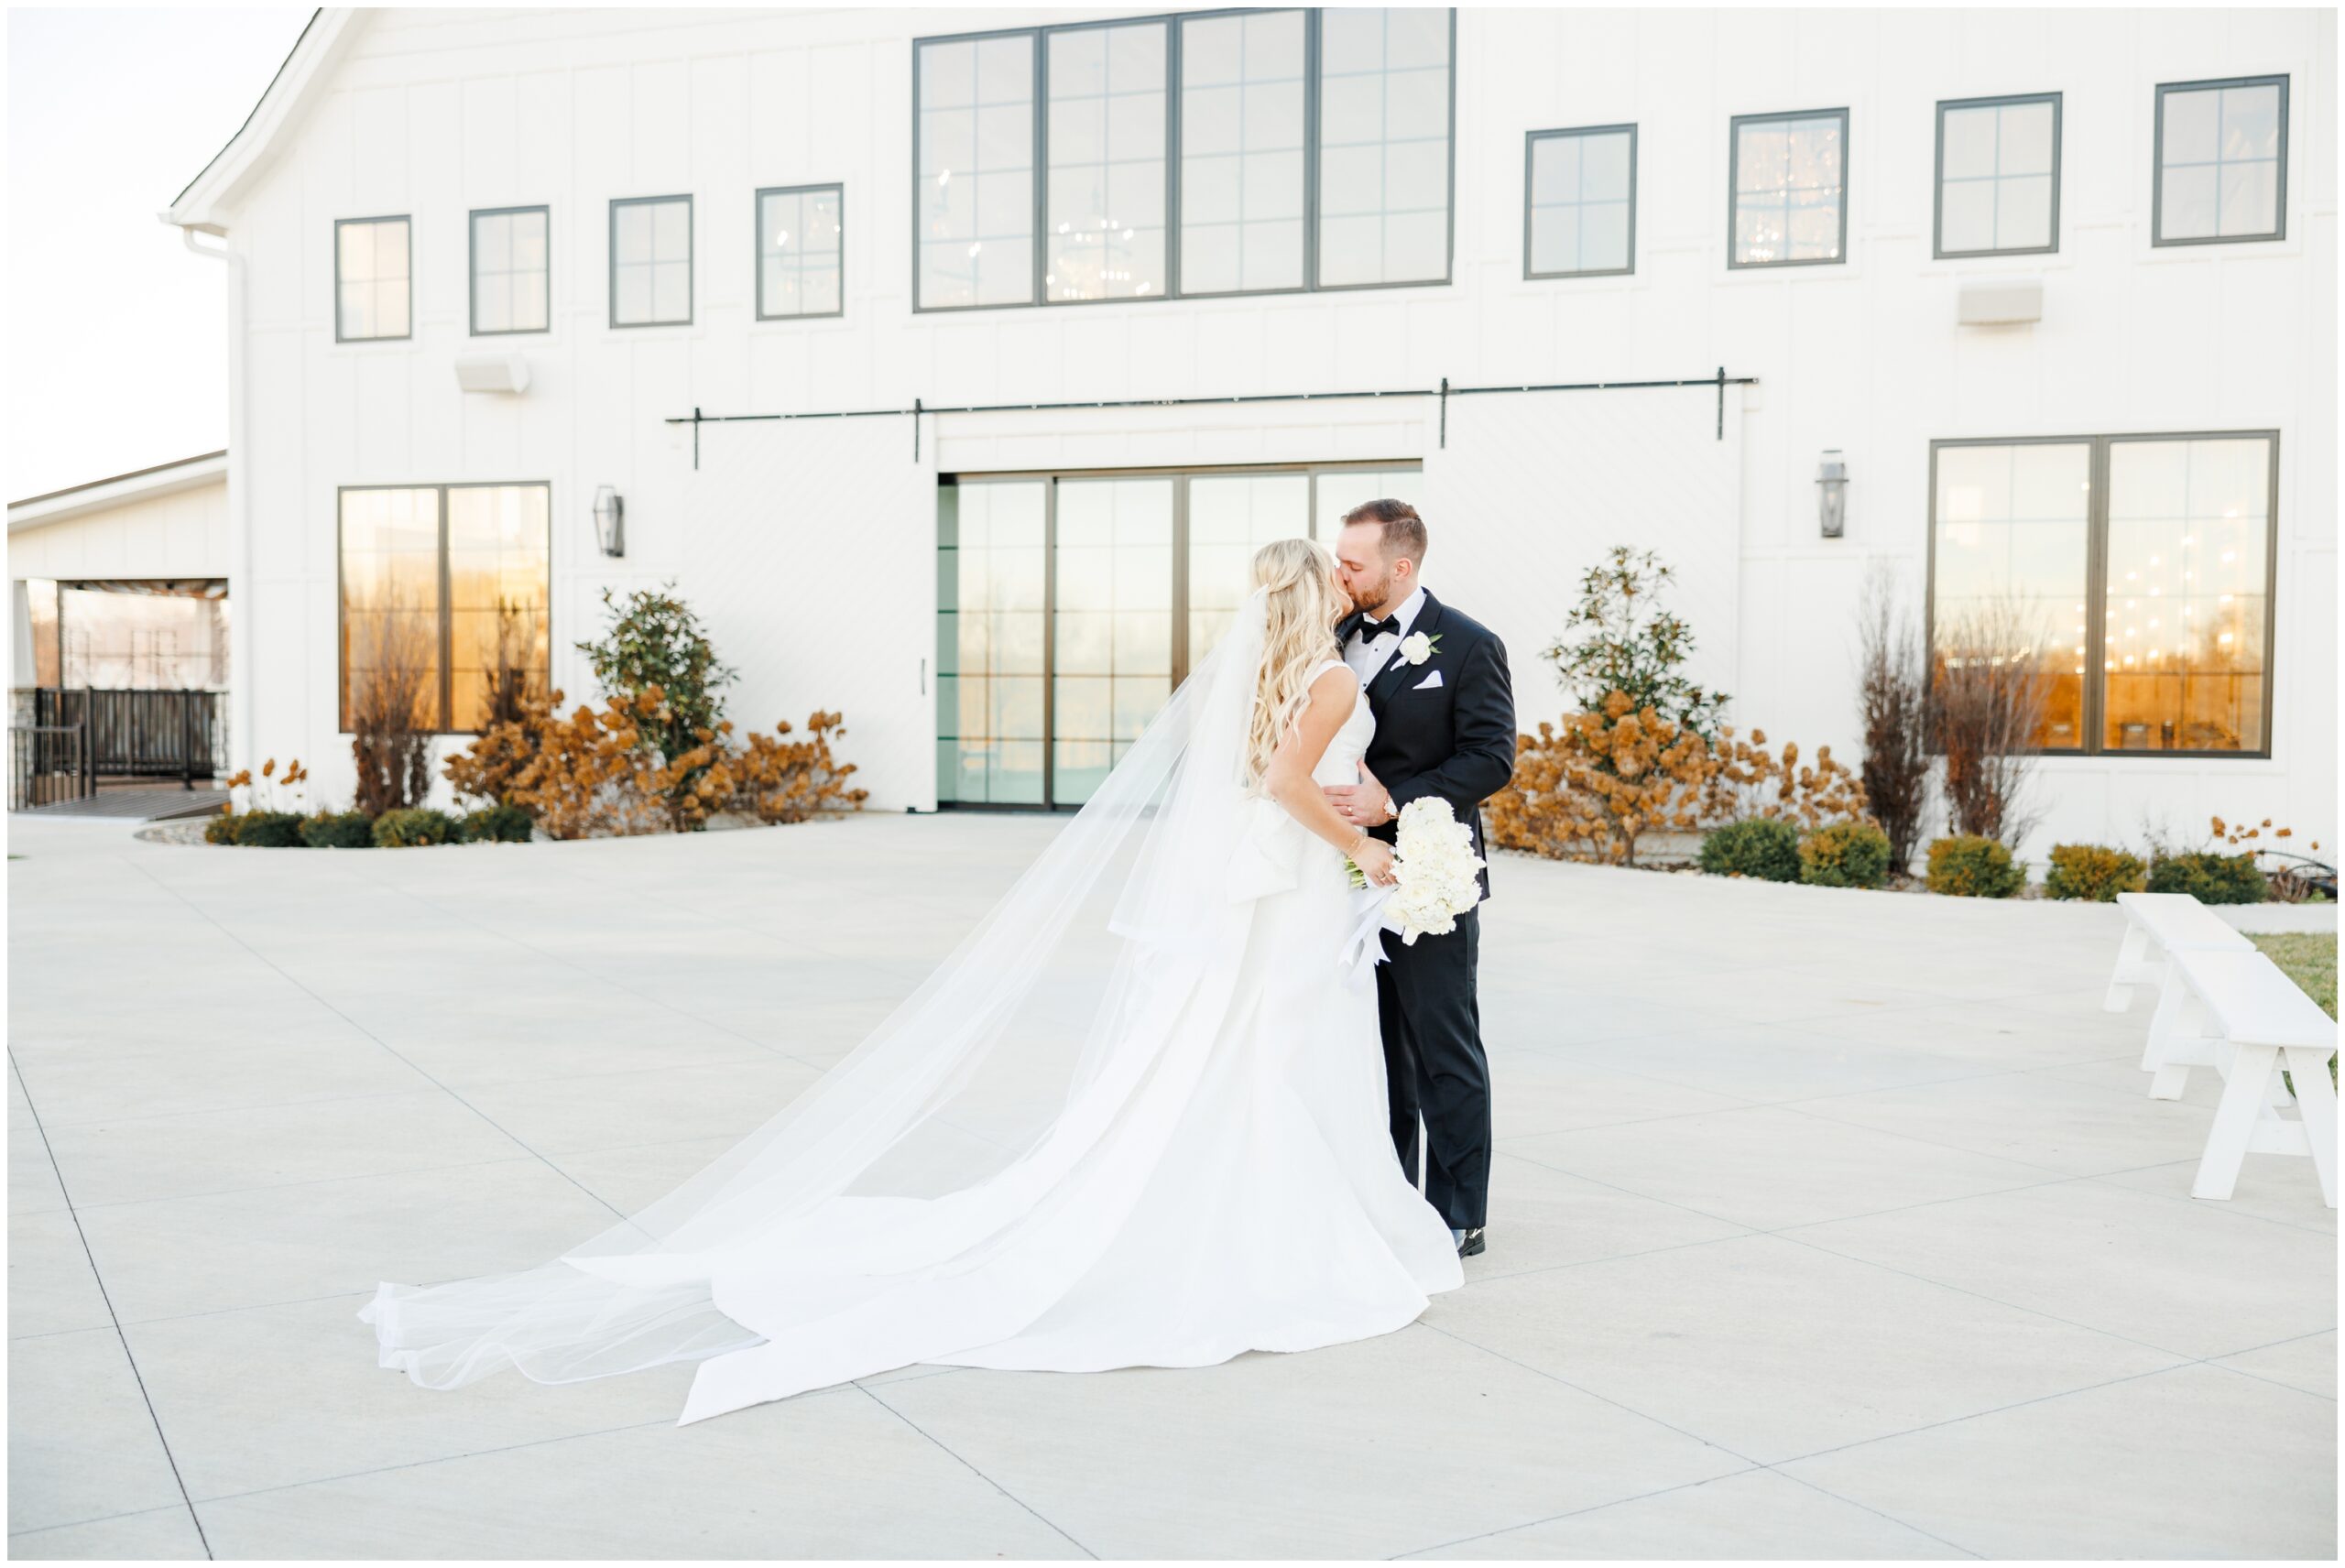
point(240, 669)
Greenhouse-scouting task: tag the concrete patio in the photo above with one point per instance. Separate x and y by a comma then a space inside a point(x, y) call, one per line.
point(1826, 1224)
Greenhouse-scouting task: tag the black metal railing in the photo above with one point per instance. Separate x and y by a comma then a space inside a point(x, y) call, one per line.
point(140, 734)
point(46, 763)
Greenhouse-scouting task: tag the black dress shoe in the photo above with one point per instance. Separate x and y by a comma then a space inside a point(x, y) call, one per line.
point(1470, 1244)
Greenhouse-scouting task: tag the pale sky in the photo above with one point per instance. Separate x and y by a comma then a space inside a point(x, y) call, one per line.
point(118, 350)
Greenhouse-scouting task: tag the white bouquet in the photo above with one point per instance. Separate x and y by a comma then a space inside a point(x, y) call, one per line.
point(1434, 861)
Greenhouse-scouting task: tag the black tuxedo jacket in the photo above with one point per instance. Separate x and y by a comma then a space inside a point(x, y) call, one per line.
point(1455, 739)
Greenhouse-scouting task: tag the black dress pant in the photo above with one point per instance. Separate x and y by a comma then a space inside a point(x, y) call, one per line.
point(1435, 1070)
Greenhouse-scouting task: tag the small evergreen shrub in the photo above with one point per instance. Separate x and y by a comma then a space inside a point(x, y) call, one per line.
point(412, 825)
point(497, 824)
point(2208, 878)
point(1845, 855)
point(221, 829)
point(2092, 872)
point(1761, 847)
point(339, 830)
point(269, 830)
point(1966, 866)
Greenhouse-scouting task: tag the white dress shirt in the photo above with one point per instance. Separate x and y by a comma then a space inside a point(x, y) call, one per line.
point(1368, 655)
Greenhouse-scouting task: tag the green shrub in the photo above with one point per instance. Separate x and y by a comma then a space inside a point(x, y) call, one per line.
point(413, 825)
point(2208, 878)
point(339, 830)
point(269, 830)
point(1761, 847)
point(221, 829)
point(1968, 866)
point(1845, 855)
point(497, 824)
point(2092, 872)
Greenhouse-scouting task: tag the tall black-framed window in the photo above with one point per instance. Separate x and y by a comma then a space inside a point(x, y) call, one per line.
point(2134, 571)
point(1164, 157)
point(801, 251)
point(1070, 604)
point(2221, 161)
point(652, 261)
point(1997, 175)
point(1787, 189)
point(512, 272)
point(445, 595)
point(1579, 202)
point(373, 286)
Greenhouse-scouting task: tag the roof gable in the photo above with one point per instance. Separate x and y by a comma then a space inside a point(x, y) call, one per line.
point(297, 86)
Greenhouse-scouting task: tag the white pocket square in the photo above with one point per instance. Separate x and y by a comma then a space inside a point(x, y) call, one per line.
point(1428, 683)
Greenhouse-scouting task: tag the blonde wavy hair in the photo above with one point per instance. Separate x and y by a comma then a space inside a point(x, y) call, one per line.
point(1305, 600)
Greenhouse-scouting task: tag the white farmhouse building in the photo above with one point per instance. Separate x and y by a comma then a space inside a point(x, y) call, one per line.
point(2055, 291)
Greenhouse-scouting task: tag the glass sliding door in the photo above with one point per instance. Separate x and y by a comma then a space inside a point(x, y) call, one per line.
point(990, 666)
point(1111, 622)
point(1230, 517)
point(1069, 606)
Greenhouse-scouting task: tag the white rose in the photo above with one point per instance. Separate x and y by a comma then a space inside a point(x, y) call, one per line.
point(1416, 648)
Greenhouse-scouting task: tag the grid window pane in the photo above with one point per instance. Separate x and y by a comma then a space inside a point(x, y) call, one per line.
point(510, 282)
point(1997, 172)
point(500, 571)
point(390, 605)
point(2189, 523)
point(1790, 188)
point(2222, 159)
point(1105, 192)
point(1112, 625)
point(1383, 147)
point(1241, 153)
point(974, 173)
point(2009, 567)
point(801, 240)
point(1581, 202)
point(651, 262)
point(990, 634)
point(1230, 518)
point(371, 292)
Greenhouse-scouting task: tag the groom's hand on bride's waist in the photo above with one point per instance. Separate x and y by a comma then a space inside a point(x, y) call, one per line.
point(1366, 803)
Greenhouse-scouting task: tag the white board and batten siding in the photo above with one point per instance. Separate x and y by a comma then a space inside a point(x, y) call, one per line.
point(827, 530)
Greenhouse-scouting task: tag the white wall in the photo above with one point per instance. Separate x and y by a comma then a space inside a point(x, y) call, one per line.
point(435, 112)
point(183, 533)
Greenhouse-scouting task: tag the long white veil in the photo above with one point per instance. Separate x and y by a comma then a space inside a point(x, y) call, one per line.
point(998, 1110)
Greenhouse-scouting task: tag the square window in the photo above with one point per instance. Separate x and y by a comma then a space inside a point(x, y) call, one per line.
point(510, 283)
point(1790, 188)
point(800, 251)
point(1582, 216)
point(652, 261)
point(2222, 161)
point(1998, 176)
point(372, 297)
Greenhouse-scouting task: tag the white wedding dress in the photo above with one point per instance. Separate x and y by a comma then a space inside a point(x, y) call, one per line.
point(1137, 1119)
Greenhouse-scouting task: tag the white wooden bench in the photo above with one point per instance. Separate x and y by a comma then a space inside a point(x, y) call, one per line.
point(2158, 926)
point(2257, 1021)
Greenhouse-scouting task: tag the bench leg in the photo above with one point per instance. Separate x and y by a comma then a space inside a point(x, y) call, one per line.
point(2121, 993)
point(2316, 1103)
point(2245, 1088)
point(2179, 1025)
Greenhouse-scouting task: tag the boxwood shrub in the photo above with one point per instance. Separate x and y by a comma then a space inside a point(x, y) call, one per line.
point(1965, 865)
point(2092, 872)
point(221, 829)
point(497, 824)
point(413, 825)
point(2208, 878)
point(269, 830)
point(1761, 847)
point(1845, 855)
point(339, 830)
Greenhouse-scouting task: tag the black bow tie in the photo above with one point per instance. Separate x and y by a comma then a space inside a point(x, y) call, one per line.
point(1373, 629)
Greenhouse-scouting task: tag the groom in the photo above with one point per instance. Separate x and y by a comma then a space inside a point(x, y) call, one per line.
point(1445, 726)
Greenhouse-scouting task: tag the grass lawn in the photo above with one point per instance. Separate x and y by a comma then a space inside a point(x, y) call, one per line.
point(2310, 960)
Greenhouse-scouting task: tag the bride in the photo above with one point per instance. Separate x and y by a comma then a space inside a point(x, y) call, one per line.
point(1138, 1118)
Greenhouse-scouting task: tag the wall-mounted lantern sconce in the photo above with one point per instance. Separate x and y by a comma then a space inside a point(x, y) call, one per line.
point(610, 520)
point(1832, 494)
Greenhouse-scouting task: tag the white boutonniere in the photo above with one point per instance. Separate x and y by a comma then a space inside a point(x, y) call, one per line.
point(1416, 648)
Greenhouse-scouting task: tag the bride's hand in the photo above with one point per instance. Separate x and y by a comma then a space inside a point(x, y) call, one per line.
point(1374, 857)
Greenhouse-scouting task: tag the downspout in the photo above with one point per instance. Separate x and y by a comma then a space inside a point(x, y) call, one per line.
point(243, 672)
